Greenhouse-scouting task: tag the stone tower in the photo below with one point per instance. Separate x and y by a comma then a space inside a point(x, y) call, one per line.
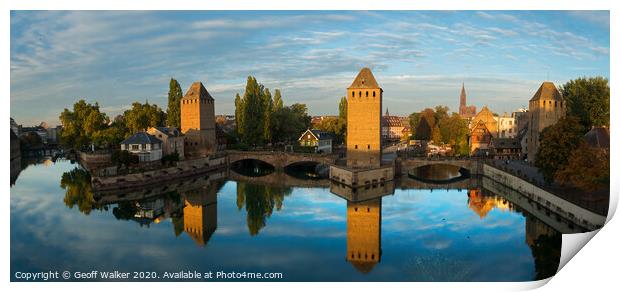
point(545, 108)
point(463, 103)
point(464, 110)
point(200, 214)
point(364, 101)
point(198, 121)
point(364, 234)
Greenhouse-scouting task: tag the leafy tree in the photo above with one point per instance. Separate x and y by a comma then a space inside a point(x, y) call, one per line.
point(587, 168)
point(436, 135)
point(124, 157)
point(341, 132)
point(429, 115)
point(588, 100)
point(142, 116)
point(414, 121)
point(173, 114)
point(259, 201)
point(254, 111)
point(239, 110)
point(556, 144)
point(81, 124)
point(289, 122)
point(267, 106)
point(423, 131)
point(277, 101)
point(454, 131)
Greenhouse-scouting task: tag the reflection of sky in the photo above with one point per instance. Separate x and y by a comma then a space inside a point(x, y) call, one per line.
point(425, 236)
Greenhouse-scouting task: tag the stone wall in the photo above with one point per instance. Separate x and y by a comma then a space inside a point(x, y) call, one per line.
point(96, 160)
point(361, 177)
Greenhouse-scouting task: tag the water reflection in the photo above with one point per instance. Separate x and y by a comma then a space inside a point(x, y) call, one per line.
point(389, 231)
point(441, 173)
point(252, 168)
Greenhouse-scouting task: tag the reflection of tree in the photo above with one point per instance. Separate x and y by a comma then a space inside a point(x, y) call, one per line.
point(546, 251)
point(259, 201)
point(125, 210)
point(78, 190)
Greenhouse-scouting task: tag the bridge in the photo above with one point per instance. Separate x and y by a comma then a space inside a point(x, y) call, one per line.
point(403, 166)
point(280, 160)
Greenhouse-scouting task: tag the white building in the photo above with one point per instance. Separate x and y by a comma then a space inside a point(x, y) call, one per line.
point(147, 147)
point(507, 126)
point(322, 141)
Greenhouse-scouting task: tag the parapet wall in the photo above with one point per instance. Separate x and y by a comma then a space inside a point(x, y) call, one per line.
point(361, 177)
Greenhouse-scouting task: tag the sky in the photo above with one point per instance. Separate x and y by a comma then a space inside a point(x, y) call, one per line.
point(419, 58)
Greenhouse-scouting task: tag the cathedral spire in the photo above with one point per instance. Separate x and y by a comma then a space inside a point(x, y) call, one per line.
point(463, 96)
point(387, 112)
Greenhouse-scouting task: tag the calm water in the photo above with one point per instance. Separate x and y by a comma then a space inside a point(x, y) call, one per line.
point(306, 233)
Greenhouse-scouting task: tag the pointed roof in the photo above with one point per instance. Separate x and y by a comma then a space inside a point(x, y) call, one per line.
point(364, 79)
point(387, 112)
point(463, 94)
point(197, 91)
point(598, 137)
point(547, 91)
point(141, 138)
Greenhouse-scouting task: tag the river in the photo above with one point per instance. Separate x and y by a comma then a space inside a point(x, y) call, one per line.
point(304, 232)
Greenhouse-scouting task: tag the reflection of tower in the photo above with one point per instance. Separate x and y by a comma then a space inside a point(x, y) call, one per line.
point(200, 214)
point(364, 98)
point(364, 234)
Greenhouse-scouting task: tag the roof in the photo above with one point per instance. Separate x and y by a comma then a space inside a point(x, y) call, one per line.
point(547, 91)
point(598, 137)
point(197, 91)
point(318, 134)
point(486, 116)
point(141, 138)
point(169, 131)
point(393, 121)
point(512, 143)
point(364, 79)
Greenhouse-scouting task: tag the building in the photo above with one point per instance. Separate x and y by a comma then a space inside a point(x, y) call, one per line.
point(42, 132)
point(483, 128)
point(507, 126)
point(364, 234)
point(598, 137)
point(172, 140)
point(522, 118)
point(546, 107)
point(364, 121)
point(320, 140)
point(226, 122)
point(145, 146)
point(406, 133)
point(392, 127)
point(506, 148)
point(465, 111)
point(198, 121)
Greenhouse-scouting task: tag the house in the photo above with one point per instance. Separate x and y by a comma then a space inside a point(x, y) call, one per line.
point(392, 127)
point(172, 140)
point(479, 139)
point(322, 141)
point(598, 137)
point(406, 133)
point(147, 147)
point(506, 148)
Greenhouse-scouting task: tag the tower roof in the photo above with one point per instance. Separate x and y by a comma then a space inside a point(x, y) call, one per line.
point(196, 91)
point(547, 91)
point(364, 79)
point(463, 94)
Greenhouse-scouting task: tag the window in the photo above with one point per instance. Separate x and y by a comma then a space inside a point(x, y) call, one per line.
point(360, 94)
point(368, 146)
point(355, 146)
point(373, 94)
point(366, 93)
point(353, 94)
point(135, 147)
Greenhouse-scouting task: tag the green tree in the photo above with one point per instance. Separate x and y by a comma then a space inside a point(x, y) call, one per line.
point(142, 116)
point(436, 135)
point(277, 101)
point(81, 124)
point(414, 121)
point(423, 131)
point(556, 144)
point(341, 132)
point(267, 107)
point(173, 114)
point(254, 111)
point(588, 100)
point(239, 110)
point(454, 132)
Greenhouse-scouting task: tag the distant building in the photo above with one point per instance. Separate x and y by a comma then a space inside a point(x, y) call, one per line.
point(364, 101)
point(465, 111)
point(322, 141)
point(198, 121)
point(172, 140)
point(522, 118)
point(546, 107)
point(227, 123)
point(507, 126)
point(483, 127)
point(42, 132)
point(406, 133)
point(392, 126)
point(145, 146)
point(506, 148)
point(15, 127)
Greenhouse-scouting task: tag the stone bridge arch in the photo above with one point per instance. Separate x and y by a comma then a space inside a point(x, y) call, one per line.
point(280, 160)
point(474, 166)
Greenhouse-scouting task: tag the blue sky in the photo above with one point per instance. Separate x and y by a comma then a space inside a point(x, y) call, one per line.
point(419, 58)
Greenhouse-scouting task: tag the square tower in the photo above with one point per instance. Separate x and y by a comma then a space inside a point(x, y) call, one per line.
point(546, 108)
point(364, 102)
point(198, 121)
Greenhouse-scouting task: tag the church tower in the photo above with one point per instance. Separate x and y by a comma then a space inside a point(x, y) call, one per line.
point(198, 121)
point(364, 101)
point(364, 234)
point(545, 108)
point(463, 104)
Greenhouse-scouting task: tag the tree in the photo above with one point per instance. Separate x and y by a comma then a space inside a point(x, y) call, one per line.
point(423, 131)
point(277, 101)
point(414, 121)
point(142, 116)
point(436, 135)
point(588, 100)
point(267, 107)
point(556, 144)
point(254, 111)
point(173, 114)
point(341, 130)
point(239, 121)
point(454, 132)
point(77, 184)
point(81, 124)
point(587, 168)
